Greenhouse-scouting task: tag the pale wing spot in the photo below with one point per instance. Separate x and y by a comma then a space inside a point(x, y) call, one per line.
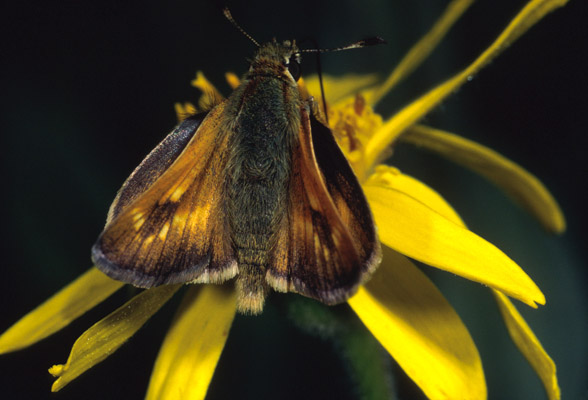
point(137, 214)
point(177, 226)
point(148, 240)
point(177, 194)
point(178, 223)
point(199, 217)
point(313, 200)
point(341, 207)
point(139, 223)
point(163, 232)
point(317, 245)
point(179, 218)
point(327, 255)
point(182, 184)
point(317, 241)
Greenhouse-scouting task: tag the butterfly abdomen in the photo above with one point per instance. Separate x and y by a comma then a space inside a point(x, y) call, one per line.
point(257, 186)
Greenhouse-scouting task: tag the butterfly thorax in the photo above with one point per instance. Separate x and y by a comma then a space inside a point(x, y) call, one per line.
point(267, 105)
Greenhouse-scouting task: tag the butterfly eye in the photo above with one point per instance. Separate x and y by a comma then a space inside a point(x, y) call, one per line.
point(294, 68)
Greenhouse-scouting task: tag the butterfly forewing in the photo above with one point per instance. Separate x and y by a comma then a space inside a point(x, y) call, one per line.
point(175, 231)
point(314, 253)
point(347, 195)
point(155, 164)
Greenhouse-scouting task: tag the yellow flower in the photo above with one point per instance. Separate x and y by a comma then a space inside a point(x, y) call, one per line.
point(400, 306)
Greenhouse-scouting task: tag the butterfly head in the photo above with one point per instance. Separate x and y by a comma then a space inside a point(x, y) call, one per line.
point(278, 59)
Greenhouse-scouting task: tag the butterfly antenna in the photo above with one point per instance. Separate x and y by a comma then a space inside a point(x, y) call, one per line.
point(228, 15)
point(320, 76)
point(319, 71)
point(356, 45)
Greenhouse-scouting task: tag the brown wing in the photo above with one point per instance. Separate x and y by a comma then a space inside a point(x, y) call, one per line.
point(175, 230)
point(347, 195)
point(314, 254)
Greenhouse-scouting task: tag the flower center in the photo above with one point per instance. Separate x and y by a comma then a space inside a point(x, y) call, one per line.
point(353, 122)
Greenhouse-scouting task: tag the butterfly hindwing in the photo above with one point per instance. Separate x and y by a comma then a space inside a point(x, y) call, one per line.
point(175, 230)
point(314, 252)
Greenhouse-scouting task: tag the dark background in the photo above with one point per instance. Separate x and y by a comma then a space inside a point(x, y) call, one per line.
point(87, 89)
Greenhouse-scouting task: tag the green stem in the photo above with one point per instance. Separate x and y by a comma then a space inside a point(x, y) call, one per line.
point(368, 364)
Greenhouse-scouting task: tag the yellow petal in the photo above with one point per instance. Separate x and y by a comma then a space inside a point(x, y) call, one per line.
point(338, 88)
point(108, 334)
point(522, 335)
point(233, 80)
point(210, 95)
point(57, 312)
point(183, 111)
point(391, 178)
point(193, 345)
point(527, 17)
point(529, 345)
point(510, 177)
point(414, 322)
point(422, 48)
point(415, 230)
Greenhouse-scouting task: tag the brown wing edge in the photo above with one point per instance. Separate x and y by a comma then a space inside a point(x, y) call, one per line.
point(215, 273)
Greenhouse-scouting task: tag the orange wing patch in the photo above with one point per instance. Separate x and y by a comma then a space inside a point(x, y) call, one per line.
point(175, 231)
